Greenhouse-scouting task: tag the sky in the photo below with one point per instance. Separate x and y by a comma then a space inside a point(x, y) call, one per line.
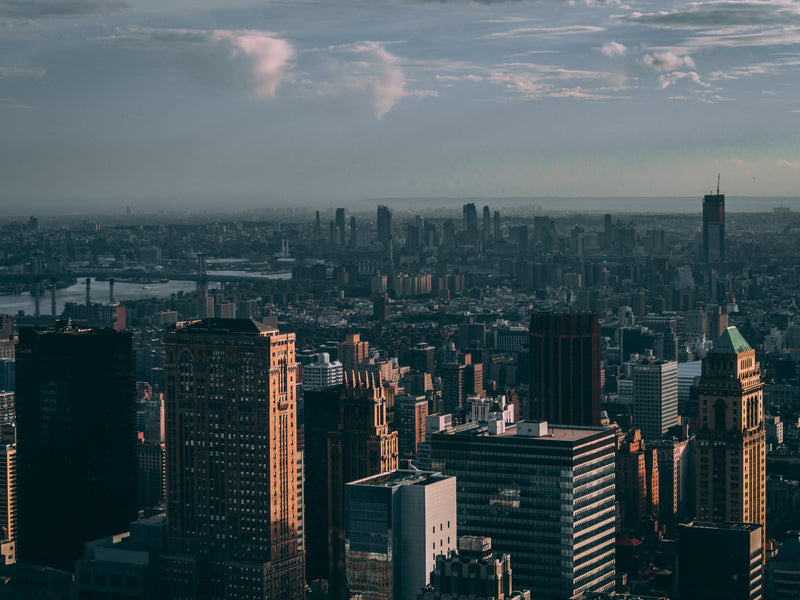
point(177, 104)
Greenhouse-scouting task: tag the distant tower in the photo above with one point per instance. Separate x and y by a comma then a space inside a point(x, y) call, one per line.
point(497, 234)
point(487, 224)
point(76, 440)
point(565, 368)
point(353, 232)
point(730, 450)
point(470, 217)
point(714, 227)
point(340, 227)
point(232, 475)
point(317, 229)
point(384, 225)
point(353, 351)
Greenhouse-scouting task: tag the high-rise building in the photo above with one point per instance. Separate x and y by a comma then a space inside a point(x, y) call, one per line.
point(9, 509)
point(361, 446)
point(395, 526)
point(353, 351)
point(423, 358)
point(76, 440)
point(720, 561)
point(565, 368)
point(636, 480)
point(486, 233)
point(410, 414)
point(714, 227)
point(546, 495)
point(655, 397)
point(730, 442)
point(474, 571)
point(675, 478)
point(340, 227)
point(384, 225)
point(232, 484)
point(322, 373)
point(470, 217)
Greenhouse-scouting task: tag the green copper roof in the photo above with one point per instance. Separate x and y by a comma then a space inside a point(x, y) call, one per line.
point(730, 342)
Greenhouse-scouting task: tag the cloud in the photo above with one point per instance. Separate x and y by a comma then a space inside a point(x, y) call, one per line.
point(535, 81)
point(37, 9)
point(546, 31)
point(248, 59)
point(720, 13)
point(667, 61)
point(612, 49)
point(377, 72)
point(668, 79)
point(8, 72)
point(789, 164)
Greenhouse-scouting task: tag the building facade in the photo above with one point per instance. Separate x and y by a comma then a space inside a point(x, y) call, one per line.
point(730, 441)
point(655, 397)
point(232, 484)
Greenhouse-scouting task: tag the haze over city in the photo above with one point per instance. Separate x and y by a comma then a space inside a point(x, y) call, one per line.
point(242, 104)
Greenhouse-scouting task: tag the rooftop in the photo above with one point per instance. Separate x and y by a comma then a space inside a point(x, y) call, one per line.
point(730, 342)
point(225, 326)
point(401, 477)
point(557, 433)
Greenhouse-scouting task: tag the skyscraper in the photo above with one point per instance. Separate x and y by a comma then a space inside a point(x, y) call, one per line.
point(384, 225)
point(353, 351)
point(470, 217)
point(76, 440)
point(486, 233)
point(232, 484)
point(340, 227)
point(565, 368)
point(714, 227)
point(655, 397)
point(730, 446)
point(546, 495)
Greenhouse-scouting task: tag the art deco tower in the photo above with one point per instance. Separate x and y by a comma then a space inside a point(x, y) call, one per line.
point(730, 439)
point(232, 484)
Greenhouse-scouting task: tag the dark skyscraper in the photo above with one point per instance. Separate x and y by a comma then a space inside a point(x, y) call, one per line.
point(76, 440)
point(714, 227)
point(470, 217)
point(384, 225)
point(340, 227)
point(565, 368)
point(232, 479)
point(487, 224)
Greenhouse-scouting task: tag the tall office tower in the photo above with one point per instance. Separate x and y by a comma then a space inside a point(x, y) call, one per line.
point(675, 481)
point(353, 351)
point(340, 227)
point(384, 225)
point(317, 229)
point(636, 480)
point(151, 475)
point(361, 446)
point(714, 227)
point(423, 358)
point(8, 369)
point(395, 525)
point(232, 514)
point(453, 388)
point(9, 509)
point(551, 506)
point(470, 217)
point(76, 440)
point(487, 224)
point(410, 414)
point(519, 234)
point(7, 410)
point(730, 442)
point(655, 397)
point(717, 321)
point(322, 373)
point(720, 561)
point(353, 232)
point(565, 368)
point(497, 233)
point(474, 571)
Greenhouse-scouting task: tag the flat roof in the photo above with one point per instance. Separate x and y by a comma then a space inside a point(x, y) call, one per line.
point(401, 477)
point(559, 433)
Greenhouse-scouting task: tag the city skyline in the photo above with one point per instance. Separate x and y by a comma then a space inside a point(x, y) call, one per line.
point(111, 104)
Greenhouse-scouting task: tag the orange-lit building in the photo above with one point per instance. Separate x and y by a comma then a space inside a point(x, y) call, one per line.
point(637, 480)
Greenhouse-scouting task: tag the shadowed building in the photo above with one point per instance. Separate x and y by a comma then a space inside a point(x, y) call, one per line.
point(714, 227)
point(565, 369)
point(76, 440)
point(232, 482)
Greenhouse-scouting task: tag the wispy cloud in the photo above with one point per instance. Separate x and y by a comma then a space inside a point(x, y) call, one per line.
point(252, 59)
point(9, 72)
point(546, 31)
point(789, 164)
point(38, 9)
point(720, 13)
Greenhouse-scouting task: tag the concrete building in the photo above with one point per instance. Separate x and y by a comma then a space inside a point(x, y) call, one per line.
point(546, 494)
point(123, 566)
point(720, 561)
point(730, 443)
point(410, 413)
point(232, 484)
point(353, 351)
point(637, 481)
point(473, 572)
point(322, 373)
point(655, 397)
point(675, 478)
point(395, 525)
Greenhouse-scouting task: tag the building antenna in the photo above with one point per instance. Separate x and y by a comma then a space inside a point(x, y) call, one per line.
point(717, 184)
